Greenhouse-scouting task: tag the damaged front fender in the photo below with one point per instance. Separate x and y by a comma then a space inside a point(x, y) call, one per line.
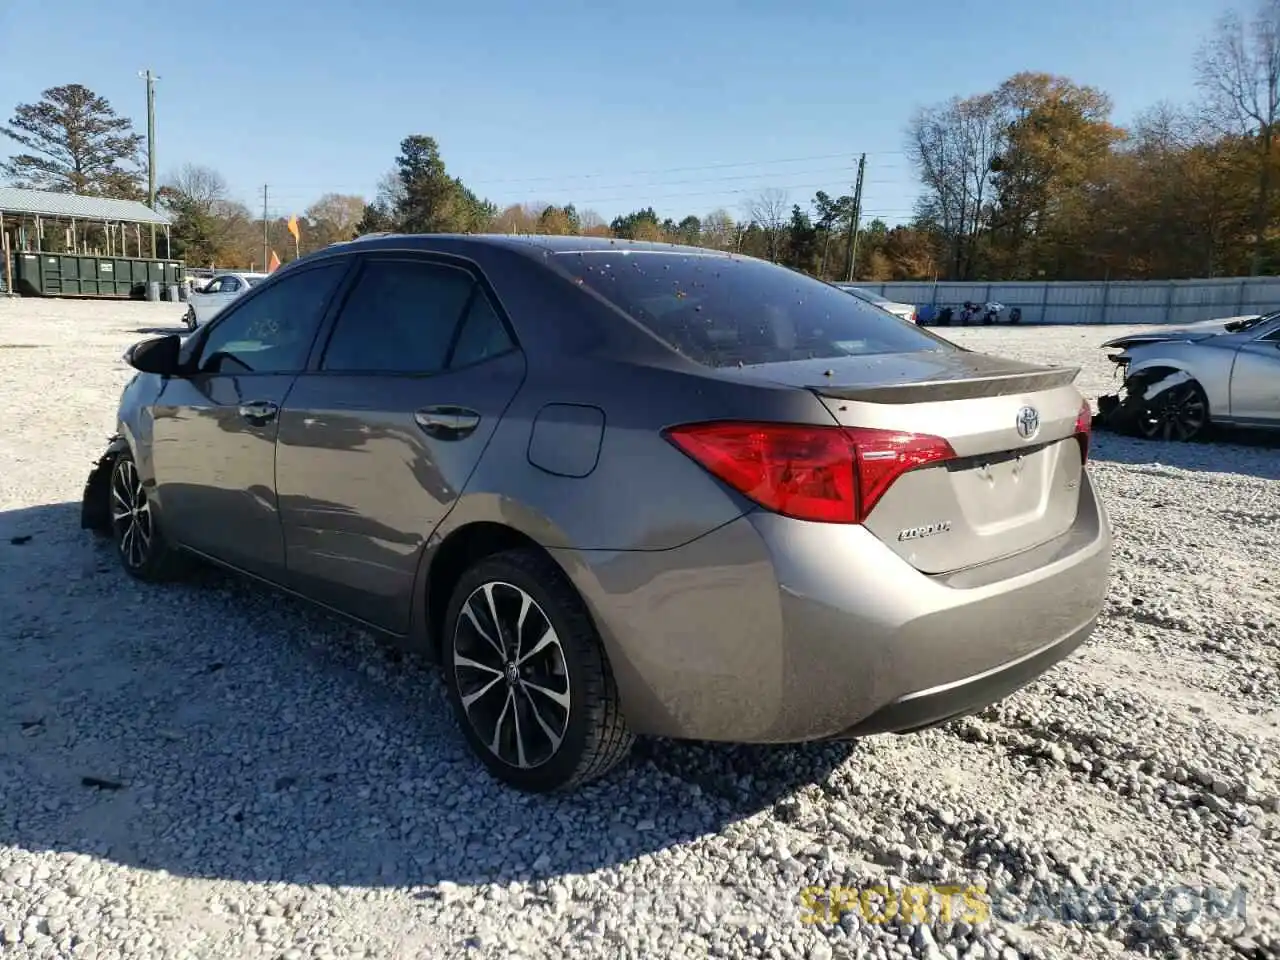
point(1131, 410)
point(95, 505)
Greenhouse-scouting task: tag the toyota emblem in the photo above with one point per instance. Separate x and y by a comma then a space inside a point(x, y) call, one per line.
point(1028, 422)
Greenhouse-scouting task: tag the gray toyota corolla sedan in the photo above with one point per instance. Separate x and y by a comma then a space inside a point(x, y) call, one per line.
point(621, 488)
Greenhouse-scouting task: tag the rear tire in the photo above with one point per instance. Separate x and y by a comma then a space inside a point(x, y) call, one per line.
point(528, 677)
point(140, 544)
point(190, 318)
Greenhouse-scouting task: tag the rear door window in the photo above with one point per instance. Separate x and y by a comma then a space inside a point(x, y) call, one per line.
point(724, 311)
point(482, 336)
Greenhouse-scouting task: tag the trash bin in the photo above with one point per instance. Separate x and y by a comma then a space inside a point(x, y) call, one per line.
point(173, 293)
point(153, 291)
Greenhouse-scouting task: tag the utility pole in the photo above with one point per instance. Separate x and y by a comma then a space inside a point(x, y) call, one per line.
point(855, 216)
point(151, 149)
point(265, 240)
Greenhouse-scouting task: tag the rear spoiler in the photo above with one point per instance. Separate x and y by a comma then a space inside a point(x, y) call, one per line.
point(969, 388)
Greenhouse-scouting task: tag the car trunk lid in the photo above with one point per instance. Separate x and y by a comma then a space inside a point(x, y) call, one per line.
point(1015, 481)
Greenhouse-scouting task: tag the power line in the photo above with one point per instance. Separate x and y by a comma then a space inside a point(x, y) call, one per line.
point(709, 166)
point(298, 191)
point(686, 196)
point(641, 173)
point(648, 198)
point(579, 201)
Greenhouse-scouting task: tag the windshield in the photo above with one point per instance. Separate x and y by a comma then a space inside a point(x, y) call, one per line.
point(1235, 326)
point(723, 311)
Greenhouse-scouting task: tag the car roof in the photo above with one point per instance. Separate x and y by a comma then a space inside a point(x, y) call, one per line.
point(529, 243)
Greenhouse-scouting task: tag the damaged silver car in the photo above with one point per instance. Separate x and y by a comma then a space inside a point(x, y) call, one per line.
point(1179, 382)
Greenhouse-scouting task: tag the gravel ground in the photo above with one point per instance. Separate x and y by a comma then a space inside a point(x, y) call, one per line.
point(208, 770)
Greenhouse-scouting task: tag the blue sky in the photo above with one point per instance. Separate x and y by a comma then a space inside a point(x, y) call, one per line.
point(610, 105)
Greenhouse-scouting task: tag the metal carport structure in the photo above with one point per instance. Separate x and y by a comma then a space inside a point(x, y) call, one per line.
point(27, 216)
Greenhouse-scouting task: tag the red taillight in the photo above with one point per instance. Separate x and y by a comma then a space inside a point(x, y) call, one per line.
point(885, 455)
point(826, 474)
point(1084, 427)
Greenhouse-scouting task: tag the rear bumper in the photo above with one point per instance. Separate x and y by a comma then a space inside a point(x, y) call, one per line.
point(930, 708)
point(775, 630)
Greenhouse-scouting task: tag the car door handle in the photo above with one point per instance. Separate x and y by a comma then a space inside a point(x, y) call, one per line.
point(447, 422)
point(259, 412)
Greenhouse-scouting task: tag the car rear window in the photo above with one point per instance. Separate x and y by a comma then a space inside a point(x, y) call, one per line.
point(722, 311)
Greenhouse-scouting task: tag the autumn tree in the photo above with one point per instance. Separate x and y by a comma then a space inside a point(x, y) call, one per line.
point(516, 218)
point(74, 143)
point(912, 253)
point(592, 224)
point(716, 230)
point(873, 260)
point(561, 221)
point(332, 218)
point(1239, 70)
point(1056, 145)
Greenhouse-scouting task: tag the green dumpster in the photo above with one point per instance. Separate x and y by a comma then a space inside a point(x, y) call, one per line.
point(73, 275)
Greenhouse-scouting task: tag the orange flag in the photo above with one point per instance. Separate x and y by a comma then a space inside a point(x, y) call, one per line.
point(293, 228)
point(273, 263)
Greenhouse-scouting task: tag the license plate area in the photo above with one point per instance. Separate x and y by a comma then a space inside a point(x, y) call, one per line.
point(1005, 489)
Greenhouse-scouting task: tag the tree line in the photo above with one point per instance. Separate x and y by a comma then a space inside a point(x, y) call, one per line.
point(1030, 181)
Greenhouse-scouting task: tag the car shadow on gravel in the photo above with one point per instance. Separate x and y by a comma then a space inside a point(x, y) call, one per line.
point(1253, 453)
point(157, 331)
point(217, 729)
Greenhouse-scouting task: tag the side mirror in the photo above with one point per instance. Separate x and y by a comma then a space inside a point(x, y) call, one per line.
point(156, 355)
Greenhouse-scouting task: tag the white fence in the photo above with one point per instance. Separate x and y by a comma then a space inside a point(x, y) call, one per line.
point(1069, 302)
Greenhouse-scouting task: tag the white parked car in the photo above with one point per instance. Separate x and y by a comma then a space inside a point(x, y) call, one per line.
point(903, 311)
point(203, 305)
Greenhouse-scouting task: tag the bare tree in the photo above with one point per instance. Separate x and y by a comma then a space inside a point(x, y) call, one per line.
point(1239, 70)
point(769, 210)
point(952, 147)
point(390, 190)
point(338, 212)
point(202, 187)
point(717, 229)
point(205, 221)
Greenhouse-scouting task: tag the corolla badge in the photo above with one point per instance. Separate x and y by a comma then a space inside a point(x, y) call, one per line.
point(927, 530)
point(1028, 422)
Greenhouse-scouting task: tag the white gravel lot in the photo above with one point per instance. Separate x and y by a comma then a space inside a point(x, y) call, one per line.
point(265, 781)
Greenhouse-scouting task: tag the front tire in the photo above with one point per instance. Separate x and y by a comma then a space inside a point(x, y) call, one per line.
point(140, 543)
point(528, 677)
point(1179, 413)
